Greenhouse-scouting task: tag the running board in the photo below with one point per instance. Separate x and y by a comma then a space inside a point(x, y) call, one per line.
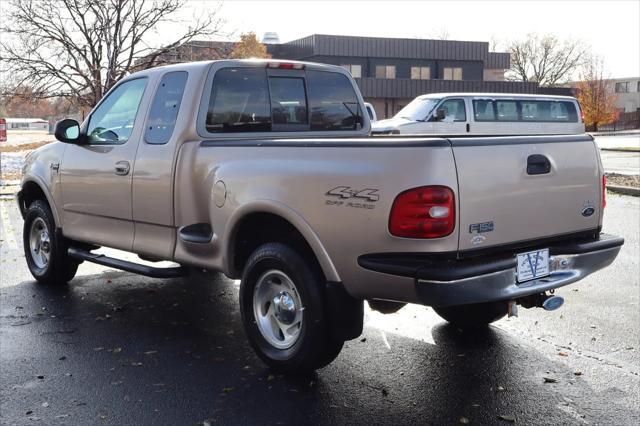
point(136, 268)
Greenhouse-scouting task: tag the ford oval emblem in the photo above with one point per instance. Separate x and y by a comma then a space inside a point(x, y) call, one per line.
point(588, 211)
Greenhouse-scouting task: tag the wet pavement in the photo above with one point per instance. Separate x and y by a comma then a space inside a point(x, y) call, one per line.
point(115, 348)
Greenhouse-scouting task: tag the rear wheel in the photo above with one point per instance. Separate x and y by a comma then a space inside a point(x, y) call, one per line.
point(476, 315)
point(283, 311)
point(45, 252)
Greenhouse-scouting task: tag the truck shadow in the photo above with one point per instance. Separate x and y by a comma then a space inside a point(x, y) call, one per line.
point(175, 350)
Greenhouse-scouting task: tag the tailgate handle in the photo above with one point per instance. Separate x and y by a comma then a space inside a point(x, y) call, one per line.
point(538, 165)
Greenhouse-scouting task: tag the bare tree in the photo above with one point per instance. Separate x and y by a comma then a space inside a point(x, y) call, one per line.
point(81, 48)
point(545, 59)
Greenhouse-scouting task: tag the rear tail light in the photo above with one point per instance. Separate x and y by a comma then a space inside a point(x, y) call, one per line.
point(425, 212)
point(285, 65)
point(604, 191)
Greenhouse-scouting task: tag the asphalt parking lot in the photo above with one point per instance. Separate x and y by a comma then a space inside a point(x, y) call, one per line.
point(115, 348)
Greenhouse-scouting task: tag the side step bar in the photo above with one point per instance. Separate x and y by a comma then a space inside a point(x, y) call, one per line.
point(136, 268)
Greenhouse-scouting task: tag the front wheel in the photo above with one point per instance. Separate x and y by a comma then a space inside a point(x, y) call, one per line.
point(44, 251)
point(476, 315)
point(283, 311)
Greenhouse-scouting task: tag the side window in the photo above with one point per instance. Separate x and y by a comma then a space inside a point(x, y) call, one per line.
point(507, 110)
point(165, 108)
point(239, 101)
point(288, 103)
point(454, 110)
point(333, 104)
point(483, 110)
point(112, 122)
point(549, 111)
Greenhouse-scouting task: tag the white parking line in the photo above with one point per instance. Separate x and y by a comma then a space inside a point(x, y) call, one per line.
point(9, 234)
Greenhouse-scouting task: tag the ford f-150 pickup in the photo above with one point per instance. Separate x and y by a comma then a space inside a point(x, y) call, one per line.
point(265, 170)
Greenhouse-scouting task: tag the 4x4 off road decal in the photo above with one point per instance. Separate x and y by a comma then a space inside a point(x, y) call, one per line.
point(343, 193)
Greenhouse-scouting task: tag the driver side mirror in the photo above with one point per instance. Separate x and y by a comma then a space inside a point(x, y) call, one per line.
point(441, 113)
point(67, 131)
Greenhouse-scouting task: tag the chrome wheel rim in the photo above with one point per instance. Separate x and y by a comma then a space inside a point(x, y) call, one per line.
point(39, 243)
point(278, 309)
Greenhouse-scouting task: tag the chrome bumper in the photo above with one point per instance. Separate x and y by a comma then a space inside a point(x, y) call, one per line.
point(445, 280)
point(502, 285)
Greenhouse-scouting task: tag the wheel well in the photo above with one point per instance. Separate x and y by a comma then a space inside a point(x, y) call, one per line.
point(260, 228)
point(31, 192)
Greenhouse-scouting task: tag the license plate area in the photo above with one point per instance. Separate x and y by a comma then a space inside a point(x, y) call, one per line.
point(532, 265)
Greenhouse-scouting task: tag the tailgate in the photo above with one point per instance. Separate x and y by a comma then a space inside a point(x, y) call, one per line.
point(514, 189)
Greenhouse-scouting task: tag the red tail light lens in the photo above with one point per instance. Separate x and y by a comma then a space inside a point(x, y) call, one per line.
point(425, 212)
point(604, 191)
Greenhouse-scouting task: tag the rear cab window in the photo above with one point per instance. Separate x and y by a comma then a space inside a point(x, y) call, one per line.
point(249, 99)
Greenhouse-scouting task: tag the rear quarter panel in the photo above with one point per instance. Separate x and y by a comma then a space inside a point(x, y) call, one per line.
point(294, 181)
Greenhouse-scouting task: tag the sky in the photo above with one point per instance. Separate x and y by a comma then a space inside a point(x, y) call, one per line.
point(611, 28)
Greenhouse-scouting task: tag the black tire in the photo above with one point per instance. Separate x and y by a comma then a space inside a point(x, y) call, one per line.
point(60, 268)
point(475, 315)
point(314, 347)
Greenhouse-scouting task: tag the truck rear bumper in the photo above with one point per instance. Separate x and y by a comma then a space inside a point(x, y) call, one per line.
point(450, 282)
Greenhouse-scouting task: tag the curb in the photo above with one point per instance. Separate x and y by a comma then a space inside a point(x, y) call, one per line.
point(624, 190)
point(621, 149)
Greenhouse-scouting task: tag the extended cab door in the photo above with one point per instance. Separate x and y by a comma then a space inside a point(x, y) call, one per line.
point(96, 176)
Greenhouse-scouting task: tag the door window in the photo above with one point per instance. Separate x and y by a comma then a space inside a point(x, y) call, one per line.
point(454, 110)
point(165, 107)
point(112, 121)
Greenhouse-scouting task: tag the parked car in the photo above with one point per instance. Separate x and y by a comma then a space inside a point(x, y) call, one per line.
point(485, 114)
point(371, 111)
point(263, 170)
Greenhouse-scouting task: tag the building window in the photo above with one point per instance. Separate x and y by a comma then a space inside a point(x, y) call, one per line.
point(622, 87)
point(385, 71)
point(355, 70)
point(420, 73)
point(452, 73)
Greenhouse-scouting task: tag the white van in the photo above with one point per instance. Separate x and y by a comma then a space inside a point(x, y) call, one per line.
point(485, 114)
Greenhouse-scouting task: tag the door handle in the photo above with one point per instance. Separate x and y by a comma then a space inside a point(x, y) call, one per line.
point(538, 165)
point(122, 168)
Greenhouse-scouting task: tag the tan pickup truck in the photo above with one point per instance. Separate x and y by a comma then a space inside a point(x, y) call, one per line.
point(265, 171)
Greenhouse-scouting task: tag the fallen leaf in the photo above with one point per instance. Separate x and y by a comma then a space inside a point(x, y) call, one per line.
point(464, 420)
point(227, 390)
point(592, 326)
point(116, 350)
point(385, 392)
point(549, 379)
point(507, 418)
point(29, 412)
point(270, 377)
point(62, 358)
point(577, 373)
point(563, 354)
point(364, 339)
